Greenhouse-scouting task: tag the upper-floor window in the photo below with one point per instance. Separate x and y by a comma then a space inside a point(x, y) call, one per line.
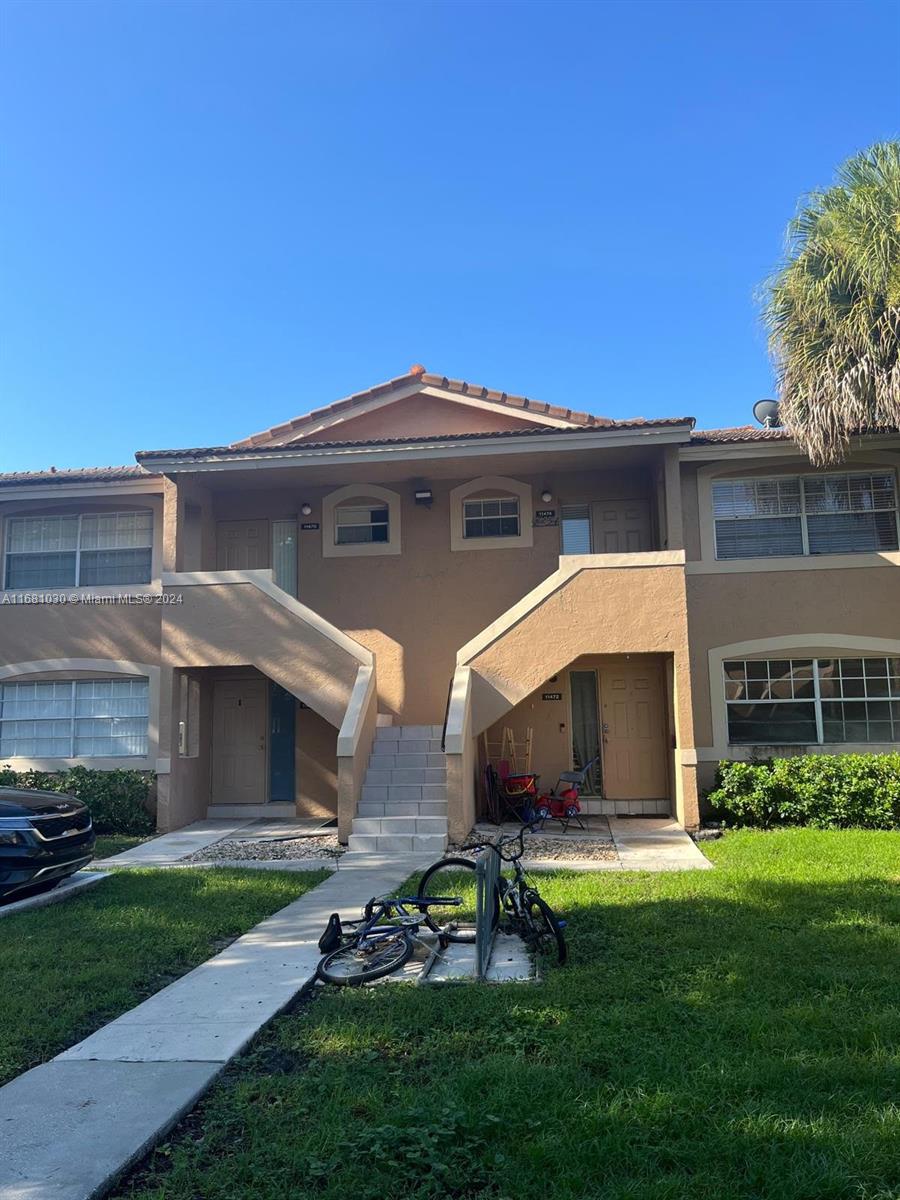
point(79, 549)
point(812, 700)
point(359, 523)
point(492, 517)
point(840, 513)
point(84, 718)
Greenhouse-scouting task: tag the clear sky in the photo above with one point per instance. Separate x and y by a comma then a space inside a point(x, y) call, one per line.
point(217, 215)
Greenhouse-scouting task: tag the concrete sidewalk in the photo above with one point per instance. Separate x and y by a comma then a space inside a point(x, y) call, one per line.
point(70, 1127)
point(655, 844)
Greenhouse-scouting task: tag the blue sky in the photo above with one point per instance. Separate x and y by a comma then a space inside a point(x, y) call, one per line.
point(217, 215)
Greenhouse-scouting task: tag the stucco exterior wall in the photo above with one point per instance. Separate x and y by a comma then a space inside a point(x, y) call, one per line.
point(415, 609)
point(419, 416)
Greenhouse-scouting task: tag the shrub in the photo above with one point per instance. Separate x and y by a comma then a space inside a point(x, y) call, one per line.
point(826, 791)
point(117, 799)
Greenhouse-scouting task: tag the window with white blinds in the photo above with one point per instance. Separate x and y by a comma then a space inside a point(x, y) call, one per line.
point(85, 718)
point(813, 700)
point(839, 513)
point(82, 549)
point(575, 528)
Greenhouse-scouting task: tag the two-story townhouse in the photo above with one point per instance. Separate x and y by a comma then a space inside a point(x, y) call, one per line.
point(341, 615)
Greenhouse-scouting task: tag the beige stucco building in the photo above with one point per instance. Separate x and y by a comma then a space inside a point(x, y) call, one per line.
point(454, 567)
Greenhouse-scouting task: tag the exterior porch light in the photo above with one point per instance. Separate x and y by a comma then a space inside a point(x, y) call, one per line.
point(546, 495)
point(306, 509)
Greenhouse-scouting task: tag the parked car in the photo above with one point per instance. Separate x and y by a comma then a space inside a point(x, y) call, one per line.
point(44, 838)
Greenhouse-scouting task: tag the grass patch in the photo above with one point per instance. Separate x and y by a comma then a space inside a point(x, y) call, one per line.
point(69, 968)
point(730, 1033)
point(112, 843)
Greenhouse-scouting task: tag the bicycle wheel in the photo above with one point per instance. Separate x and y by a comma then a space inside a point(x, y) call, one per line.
point(356, 964)
point(546, 929)
point(449, 878)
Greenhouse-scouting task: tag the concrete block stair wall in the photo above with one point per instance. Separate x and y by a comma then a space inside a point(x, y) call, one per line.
point(403, 807)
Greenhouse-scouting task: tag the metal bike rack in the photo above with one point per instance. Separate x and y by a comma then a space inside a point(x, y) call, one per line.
point(487, 874)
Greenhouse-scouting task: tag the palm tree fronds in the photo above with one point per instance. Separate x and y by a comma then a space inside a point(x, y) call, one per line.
point(833, 308)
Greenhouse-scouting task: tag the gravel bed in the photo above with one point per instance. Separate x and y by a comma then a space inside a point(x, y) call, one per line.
point(539, 846)
point(326, 846)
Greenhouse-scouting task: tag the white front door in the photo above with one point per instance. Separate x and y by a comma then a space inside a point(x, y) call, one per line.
point(240, 761)
point(242, 545)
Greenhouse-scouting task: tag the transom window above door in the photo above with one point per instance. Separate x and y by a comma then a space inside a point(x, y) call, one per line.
point(492, 517)
point(357, 524)
point(792, 515)
point(79, 550)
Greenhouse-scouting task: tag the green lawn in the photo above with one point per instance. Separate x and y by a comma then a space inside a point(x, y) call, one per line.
point(115, 843)
point(69, 968)
point(718, 1035)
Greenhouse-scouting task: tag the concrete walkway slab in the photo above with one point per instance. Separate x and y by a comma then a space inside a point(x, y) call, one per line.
point(111, 1097)
point(655, 844)
point(171, 847)
point(68, 1129)
point(75, 883)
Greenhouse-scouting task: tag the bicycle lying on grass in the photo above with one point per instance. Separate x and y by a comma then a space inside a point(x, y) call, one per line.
point(380, 942)
point(518, 906)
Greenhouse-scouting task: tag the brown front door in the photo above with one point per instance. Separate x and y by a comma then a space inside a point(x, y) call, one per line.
point(242, 545)
point(633, 732)
point(239, 742)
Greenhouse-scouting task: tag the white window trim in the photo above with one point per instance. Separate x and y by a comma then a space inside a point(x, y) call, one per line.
point(708, 564)
point(25, 672)
point(808, 645)
point(361, 492)
point(153, 504)
point(502, 487)
point(801, 513)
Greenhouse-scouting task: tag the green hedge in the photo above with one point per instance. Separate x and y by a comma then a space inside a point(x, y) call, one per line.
point(117, 799)
point(826, 791)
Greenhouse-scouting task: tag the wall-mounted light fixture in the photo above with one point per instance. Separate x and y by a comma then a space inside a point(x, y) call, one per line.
point(424, 496)
point(546, 495)
point(306, 509)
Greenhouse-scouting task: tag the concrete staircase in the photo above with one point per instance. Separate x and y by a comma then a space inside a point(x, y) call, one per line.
point(403, 808)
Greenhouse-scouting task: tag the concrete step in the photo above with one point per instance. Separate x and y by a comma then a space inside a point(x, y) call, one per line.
point(407, 775)
point(396, 844)
point(434, 826)
point(421, 808)
point(392, 762)
point(403, 792)
point(226, 812)
point(402, 733)
point(409, 746)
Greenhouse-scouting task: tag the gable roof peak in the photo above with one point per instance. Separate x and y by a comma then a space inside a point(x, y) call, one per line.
point(418, 379)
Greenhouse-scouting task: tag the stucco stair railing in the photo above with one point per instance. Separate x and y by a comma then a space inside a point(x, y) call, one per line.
point(592, 604)
point(242, 618)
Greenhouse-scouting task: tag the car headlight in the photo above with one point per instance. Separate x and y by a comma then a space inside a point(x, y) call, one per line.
point(9, 837)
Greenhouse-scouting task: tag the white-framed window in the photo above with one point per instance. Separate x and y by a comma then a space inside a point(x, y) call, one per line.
point(361, 524)
point(83, 718)
point(805, 701)
point(497, 516)
point(79, 550)
point(849, 512)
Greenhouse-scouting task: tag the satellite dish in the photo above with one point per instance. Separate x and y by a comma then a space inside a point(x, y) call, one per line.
point(766, 412)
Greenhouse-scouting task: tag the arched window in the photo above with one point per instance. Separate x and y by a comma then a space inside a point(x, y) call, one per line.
point(491, 513)
point(361, 519)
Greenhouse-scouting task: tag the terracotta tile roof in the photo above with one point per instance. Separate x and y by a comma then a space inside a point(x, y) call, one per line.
point(418, 375)
point(240, 450)
point(741, 433)
point(757, 433)
point(73, 475)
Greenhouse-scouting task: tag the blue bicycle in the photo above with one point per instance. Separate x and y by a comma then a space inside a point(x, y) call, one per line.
point(380, 942)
